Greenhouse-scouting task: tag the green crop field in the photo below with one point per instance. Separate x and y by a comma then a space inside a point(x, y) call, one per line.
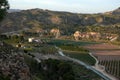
point(75, 49)
point(85, 57)
point(70, 42)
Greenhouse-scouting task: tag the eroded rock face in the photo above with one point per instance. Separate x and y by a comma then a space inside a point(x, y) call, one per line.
point(55, 20)
point(12, 63)
point(99, 20)
point(55, 32)
point(93, 35)
point(77, 35)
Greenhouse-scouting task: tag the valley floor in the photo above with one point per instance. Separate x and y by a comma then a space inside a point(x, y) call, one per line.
point(108, 57)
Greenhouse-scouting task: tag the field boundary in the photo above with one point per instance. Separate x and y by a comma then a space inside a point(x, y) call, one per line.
point(97, 67)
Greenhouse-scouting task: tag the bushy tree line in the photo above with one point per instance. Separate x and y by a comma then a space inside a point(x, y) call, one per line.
point(51, 69)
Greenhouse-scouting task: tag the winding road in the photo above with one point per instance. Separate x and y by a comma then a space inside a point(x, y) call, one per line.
point(97, 71)
point(105, 77)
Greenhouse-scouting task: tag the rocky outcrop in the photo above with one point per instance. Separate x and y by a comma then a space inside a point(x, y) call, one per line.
point(87, 35)
point(77, 35)
point(12, 63)
point(55, 32)
point(55, 20)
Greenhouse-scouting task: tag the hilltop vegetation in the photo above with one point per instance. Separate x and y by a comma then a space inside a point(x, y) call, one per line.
point(67, 22)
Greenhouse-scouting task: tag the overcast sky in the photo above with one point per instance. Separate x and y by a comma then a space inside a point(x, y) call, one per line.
point(79, 6)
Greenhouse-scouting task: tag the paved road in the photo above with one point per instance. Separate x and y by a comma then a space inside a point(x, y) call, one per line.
point(85, 65)
point(79, 62)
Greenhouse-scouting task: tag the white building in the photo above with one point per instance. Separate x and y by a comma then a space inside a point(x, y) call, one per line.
point(30, 39)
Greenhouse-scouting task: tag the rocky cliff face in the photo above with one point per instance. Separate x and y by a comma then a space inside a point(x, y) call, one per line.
point(12, 64)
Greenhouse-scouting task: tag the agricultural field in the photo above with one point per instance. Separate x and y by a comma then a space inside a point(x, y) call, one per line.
point(75, 49)
point(111, 63)
point(108, 56)
point(70, 42)
point(85, 57)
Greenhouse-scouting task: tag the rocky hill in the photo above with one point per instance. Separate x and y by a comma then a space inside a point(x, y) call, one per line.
point(12, 65)
point(65, 21)
point(13, 10)
point(116, 12)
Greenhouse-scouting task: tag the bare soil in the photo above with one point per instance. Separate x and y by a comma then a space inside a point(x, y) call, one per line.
point(104, 49)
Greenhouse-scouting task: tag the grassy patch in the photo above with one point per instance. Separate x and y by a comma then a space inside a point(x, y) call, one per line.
point(73, 48)
point(85, 57)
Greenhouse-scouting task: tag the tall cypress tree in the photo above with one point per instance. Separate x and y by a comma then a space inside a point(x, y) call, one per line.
point(4, 6)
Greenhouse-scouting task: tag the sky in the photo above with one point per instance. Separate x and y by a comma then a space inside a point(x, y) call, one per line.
point(76, 6)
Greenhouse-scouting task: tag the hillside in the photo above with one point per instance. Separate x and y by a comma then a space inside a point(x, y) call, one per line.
point(12, 64)
point(65, 21)
point(13, 10)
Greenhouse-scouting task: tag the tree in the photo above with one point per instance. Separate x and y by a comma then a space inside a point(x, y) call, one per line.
point(4, 6)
